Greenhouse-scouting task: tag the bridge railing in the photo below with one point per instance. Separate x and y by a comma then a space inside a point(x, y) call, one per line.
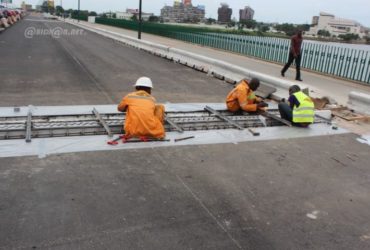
point(328, 58)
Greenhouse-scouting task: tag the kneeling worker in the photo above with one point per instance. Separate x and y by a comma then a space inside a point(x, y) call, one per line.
point(300, 110)
point(242, 97)
point(143, 117)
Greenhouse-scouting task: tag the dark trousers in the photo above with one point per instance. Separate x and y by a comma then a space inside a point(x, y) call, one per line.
point(286, 111)
point(297, 63)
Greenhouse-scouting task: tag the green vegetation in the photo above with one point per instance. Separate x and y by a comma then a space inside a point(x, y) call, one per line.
point(290, 29)
point(59, 11)
point(367, 39)
point(349, 37)
point(82, 16)
point(323, 33)
point(154, 19)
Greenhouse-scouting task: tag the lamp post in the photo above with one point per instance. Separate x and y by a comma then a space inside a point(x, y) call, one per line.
point(78, 15)
point(140, 21)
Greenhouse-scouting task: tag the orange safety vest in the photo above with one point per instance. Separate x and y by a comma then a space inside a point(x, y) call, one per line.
point(143, 116)
point(241, 97)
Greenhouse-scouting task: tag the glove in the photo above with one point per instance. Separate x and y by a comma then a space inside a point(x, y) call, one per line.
point(263, 109)
point(262, 105)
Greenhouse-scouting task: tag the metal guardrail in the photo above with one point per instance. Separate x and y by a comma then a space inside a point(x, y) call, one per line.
point(336, 60)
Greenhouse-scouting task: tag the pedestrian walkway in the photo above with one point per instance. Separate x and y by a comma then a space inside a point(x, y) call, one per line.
point(322, 84)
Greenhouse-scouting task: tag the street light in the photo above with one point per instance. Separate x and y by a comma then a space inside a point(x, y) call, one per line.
point(78, 15)
point(140, 21)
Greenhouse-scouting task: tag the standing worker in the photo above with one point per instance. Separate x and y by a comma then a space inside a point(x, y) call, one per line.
point(144, 118)
point(242, 97)
point(300, 110)
point(295, 55)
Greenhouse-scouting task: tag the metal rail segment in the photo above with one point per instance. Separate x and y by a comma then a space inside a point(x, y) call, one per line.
point(33, 126)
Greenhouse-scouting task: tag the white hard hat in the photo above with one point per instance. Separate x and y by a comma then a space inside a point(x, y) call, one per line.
point(144, 82)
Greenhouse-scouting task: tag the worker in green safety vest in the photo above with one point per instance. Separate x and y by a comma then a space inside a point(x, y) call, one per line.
point(299, 110)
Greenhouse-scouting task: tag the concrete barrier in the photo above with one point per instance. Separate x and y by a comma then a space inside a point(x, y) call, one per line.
point(91, 19)
point(220, 69)
point(359, 102)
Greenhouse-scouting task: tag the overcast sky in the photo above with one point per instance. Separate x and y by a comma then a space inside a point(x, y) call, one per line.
point(291, 11)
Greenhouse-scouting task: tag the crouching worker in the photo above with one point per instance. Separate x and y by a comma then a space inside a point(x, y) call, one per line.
point(242, 97)
point(144, 119)
point(300, 108)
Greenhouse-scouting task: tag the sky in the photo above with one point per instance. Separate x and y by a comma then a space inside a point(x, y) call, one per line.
point(281, 11)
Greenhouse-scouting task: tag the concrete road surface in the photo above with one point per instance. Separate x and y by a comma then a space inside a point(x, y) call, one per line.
point(309, 193)
point(89, 69)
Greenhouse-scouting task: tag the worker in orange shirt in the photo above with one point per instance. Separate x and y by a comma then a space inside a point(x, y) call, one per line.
point(144, 118)
point(242, 97)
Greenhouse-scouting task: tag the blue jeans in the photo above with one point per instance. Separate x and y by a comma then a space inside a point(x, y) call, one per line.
point(286, 111)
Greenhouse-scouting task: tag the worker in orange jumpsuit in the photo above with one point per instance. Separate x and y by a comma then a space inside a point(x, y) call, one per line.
point(144, 118)
point(242, 97)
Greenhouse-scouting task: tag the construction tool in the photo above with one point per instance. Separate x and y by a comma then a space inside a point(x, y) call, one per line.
point(276, 118)
point(184, 138)
point(126, 139)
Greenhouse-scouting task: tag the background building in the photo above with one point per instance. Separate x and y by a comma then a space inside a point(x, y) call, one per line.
point(26, 7)
point(224, 13)
point(186, 2)
point(246, 14)
point(183, 12)
point(335, 26)
point(51, 4)
point(133, 12)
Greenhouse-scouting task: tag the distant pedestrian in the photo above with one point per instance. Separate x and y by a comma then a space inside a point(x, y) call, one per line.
point(295, 55)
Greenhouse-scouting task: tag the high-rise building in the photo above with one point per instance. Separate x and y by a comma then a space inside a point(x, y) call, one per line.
point(180, 12)
point(224, 13)
point(51, 4)
point(246, 14)
point(186, 2)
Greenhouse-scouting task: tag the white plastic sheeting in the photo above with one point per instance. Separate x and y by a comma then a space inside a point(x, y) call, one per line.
point(87, 109)
point(365, 139)
point(49, 146)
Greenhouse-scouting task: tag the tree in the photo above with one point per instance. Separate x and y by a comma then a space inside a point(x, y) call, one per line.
point(231, 24)
point(288, 28)
point(134, 18)
point(210, 21)
point(59, 10)
point(349, 37)
point(304, 27)
point(153, 19)
point(82, 16)
point(93, 13)
point(114, 15)
point(249, 24)
point(323, 33)
point(263, 28)
point(45, 6)
point(367, 38)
